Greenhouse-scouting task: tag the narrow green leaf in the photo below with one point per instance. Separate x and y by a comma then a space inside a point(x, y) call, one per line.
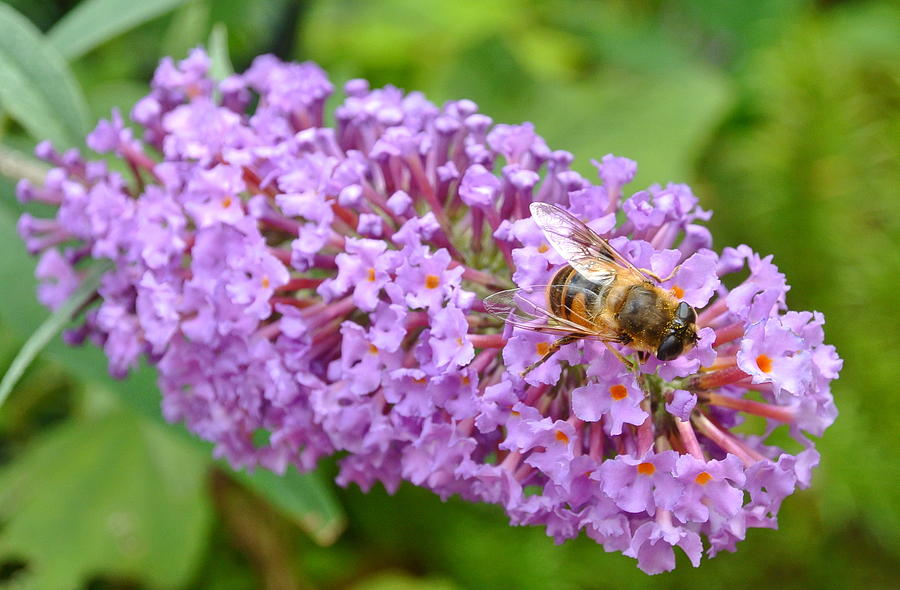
point(36, 87)
point(48, 330)
point(217, 46)
point(304, 497)
point(93, 22)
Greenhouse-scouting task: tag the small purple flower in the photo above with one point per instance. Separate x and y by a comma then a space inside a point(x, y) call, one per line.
point(426, 279)
point(682, 404)
point(639, 485)
point(615, 396)
point(58, 278)
point(708, 486)
point(653, 542)
point(365, 266)
point(324, 284)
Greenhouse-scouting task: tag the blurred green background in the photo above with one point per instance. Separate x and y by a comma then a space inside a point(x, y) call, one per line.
point(783, 115)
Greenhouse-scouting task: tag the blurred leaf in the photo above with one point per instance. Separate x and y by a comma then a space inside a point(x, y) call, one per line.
point(402, 581)
point(810, 173)
point(122, 94)
point(662, 122)
point(36, 86)
point(115, 495)
point(51, 328)
point(221, 67)
point(303, 497)
point(92, 22)
point(186, 29)
point(375, 37)
point(546, 53)
point(255, 27)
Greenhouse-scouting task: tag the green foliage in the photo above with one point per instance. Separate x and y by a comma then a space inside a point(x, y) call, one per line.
point(813, 179)
point(114, 495)
point(36, 86)
point(532, 62)
point(220, 66)
point(302, 497)
point(783, 115)
point(92, 22)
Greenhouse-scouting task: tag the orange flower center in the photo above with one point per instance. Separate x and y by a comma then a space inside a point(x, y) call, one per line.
point(371, 275)
point(618, 392)
point(265, 282)
point(543, 248)
point(542, 348)
point(373, 349)
point(646, 468)
point(703, 478)
point(764, 363)
point(420, 381)
point(561, 437)
point(677, 291)
point(432, 281)
point(226, 202)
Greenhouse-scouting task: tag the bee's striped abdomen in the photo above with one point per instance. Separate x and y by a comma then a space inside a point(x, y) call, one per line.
point(573, 297)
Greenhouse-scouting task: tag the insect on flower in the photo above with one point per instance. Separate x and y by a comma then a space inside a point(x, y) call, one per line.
point(599, 295)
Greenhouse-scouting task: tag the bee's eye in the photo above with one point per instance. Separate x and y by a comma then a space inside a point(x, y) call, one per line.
point(670, 348)
point(686, 313)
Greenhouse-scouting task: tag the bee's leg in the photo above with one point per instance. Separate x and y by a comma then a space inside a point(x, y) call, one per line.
point(550, 351)
point(656, 277)
point(628, 363)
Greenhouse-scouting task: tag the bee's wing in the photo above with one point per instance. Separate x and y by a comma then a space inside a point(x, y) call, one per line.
point(587, 252)
point(526, 308)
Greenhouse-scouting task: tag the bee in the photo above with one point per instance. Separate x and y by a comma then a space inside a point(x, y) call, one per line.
point(598, 295)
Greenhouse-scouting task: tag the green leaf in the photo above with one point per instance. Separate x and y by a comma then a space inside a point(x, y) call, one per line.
point(399, 580)
point(303, 497)
point(51, 327)
point(221, 67)
point(116, 496)
point(36, 87)
point(93, 22)
point(188, 25)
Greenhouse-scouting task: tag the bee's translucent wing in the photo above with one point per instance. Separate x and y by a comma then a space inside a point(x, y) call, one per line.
point(587, 252)
point(526, 308)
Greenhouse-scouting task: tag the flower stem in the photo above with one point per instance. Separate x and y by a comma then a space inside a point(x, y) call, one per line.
point(300, 283)
point(714, 379)
point(487, 340)
point(689, 439)
point(729, 333)
point(780, 413)
point(595, 441)
point(712, 312)
point(725, 440)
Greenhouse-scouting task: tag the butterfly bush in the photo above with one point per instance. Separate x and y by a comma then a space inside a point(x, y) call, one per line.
point(307, 289)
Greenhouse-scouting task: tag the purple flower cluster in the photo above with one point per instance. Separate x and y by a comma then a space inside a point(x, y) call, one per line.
point(305, 290)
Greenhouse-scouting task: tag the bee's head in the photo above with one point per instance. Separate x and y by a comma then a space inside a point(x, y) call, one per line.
point(680, 335)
